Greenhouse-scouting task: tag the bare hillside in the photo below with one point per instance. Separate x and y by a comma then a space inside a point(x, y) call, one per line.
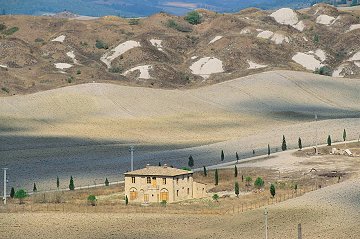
point(164, 51)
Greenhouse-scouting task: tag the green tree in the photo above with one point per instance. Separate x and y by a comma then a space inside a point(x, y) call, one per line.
point(106, 182)
point(237, 189)
point(126, 200)
point(237, 157)
point(248, 180)
point(329, 140)
point(283, 145)
point(191, 162)
point(193, 17)
point(344, 135)
point(215, 197)
point(272, 190)
point(205, 171)
point(222, 155)
point(92, 200)
point(12, 192)
point(259, 183)
point(253, 151)
point(71, 184)
point(57, 182)
point(268, 150)
point(300, 143)
point(236, 172)
point(159, 164)
point(34, 188)
point(216, 177)
point(21, 194)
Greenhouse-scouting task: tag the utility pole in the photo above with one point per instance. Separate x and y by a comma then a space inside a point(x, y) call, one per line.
point(5, 181)
point(266, 223)
point(132, 157)
point(316, 134)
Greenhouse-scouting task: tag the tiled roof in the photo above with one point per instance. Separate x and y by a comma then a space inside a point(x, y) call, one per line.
point(158, 171)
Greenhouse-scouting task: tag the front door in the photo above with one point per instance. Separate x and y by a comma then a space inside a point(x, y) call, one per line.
point(146, 197)
point(153, 182)
point(164, 196)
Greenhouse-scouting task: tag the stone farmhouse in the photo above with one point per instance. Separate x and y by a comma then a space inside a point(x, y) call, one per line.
point(155, 184)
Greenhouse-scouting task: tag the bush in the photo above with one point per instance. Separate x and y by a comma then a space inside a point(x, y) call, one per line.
point(101, 45)
point(134, 21)
point(5, 89)
point(248, 180)
point(186, 168)
point(215, 197)
point(106, 182)
point(92, 200)
point(12, 192)
point(272, 190)
point(237, 189)
point(21, 194)
point(10, 31)
point(316, 38)
point(324, 70)
point(193, 17)
point(70, 79)
point(116, 69)
point(39, 40)
point(163, 203)
point(2, 26)
point(174, 25)
point(78, 72)
point(259, 183)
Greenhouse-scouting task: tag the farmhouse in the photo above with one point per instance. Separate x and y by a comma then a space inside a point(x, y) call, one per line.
point(162, 183)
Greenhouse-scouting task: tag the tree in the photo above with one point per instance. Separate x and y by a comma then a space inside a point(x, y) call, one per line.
point(344, 135)
point(272, 190)
point(268, 149)
point(253, 151)
point(300, 144)
point(236, 172)
point(205, 171)
point(92, 200)
point(126, 200)
point(248, 180)
point(242, 178)
point(259, 183)
point(237, 157)
point(329, 140)
point(283, 146)
point(71, 184)
point(106, 182)
point(159, 164)
point(216, 177)
point(34, 188)
point(193, 17)
point(215, 197)
point(57, 182)
point(222, 155)
point(21, 194)
point(12, 192)
point(237, 189)
point(191, 162)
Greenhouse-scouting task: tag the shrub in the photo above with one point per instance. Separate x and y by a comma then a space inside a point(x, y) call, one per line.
point(92, 200)
point(78, 72)
point(237, 189)
point(272, 190)
point(316, 38)
point(134, 21)
point(174, 25)
point(106, 182)
point(193, 17)
point(2, 26)
point(12, 192)
point(10, 31)
point(21, 194)
point(116, 69)
point(101, 45)
point(215, 197)
point(70, 79)
point(248, 180)
point(71, 184)
point(259, 183)
point(5, 89)
point(186, 168)
point(163, 203)
point(39, 40)
point(324, 70)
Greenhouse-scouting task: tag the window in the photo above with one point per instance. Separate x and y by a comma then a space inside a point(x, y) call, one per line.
point(188, 191)
point(148, 180)
point(132, 179)
point(177, 193)
point(177, 180)
point(164, 180)
point(188, 178)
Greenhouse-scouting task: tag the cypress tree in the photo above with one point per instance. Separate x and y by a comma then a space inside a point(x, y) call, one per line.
point(216, 177)
point(344, 135)
point(71, 184)
point(242, 178)
point(300, 144)
point(106, 182)
point(12, 192)
point(236, 172)
point(237, 189)
point(329, 140)
point(205, 172)
point(57, 182)
point(222, 155)
point(283, 146)
point(191, 162)
point(126, 200)
point(34, 188)
point(268, 149)
point(272, 190)
point(237, 157)
point(253, 151)
point(159, 164)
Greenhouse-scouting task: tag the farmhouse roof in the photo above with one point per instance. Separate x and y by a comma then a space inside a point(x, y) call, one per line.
point(158, 171)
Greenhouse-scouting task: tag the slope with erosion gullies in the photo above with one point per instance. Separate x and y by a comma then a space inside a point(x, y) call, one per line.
point(165, 51)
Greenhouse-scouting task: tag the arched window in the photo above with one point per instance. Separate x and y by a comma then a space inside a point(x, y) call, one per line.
point(133, 193)
point(164, 195)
